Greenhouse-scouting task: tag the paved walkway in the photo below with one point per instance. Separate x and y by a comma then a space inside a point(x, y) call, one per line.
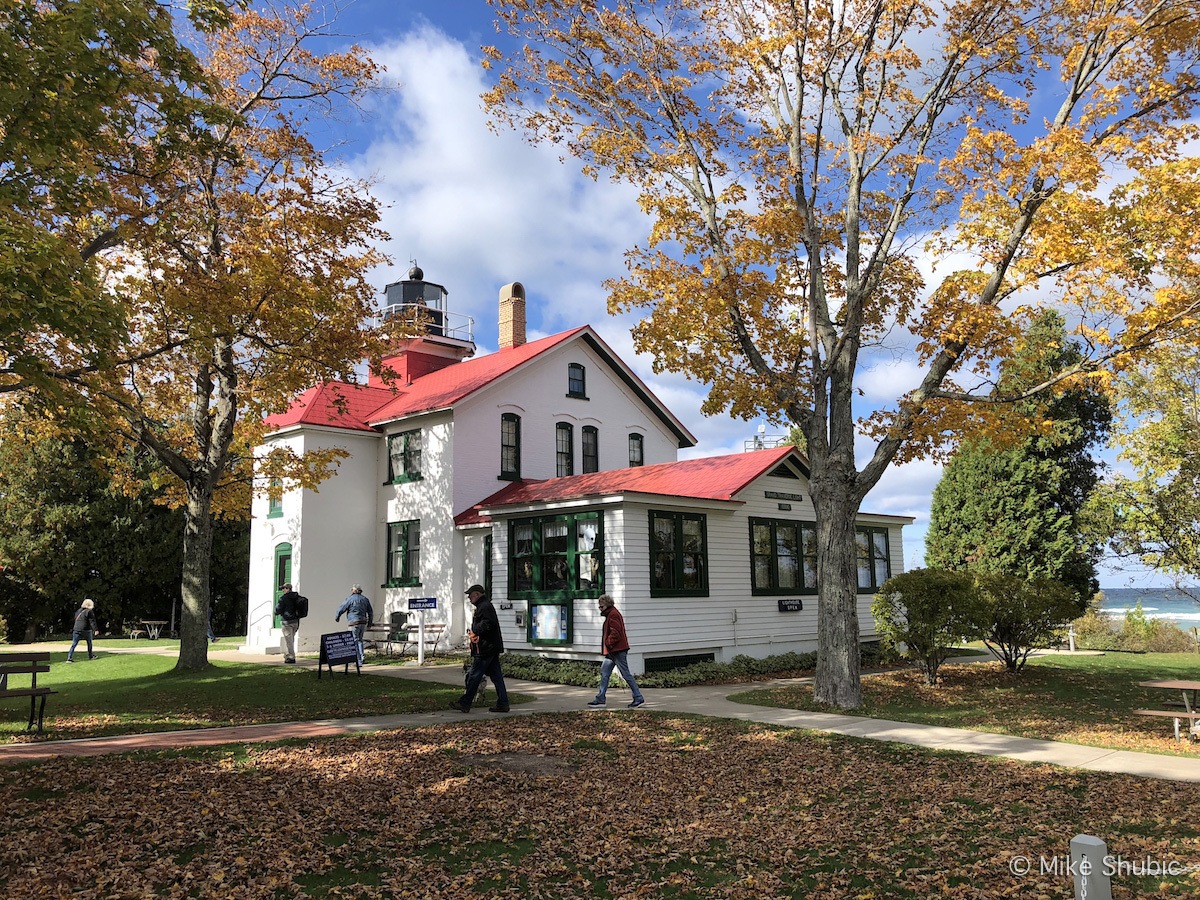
point(548, 698)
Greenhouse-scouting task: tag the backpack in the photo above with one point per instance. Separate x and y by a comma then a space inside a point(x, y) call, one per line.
point(301, 606)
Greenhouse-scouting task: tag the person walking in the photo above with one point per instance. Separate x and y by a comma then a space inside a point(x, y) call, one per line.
point(288, 610)
point(489, 644)
point(359, 615)
point(84, 627)
point(614, 645)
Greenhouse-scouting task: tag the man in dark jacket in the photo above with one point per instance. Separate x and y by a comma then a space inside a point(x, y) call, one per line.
point(83, 628)
point(288, 610)
point(614, 646)
point(489, 644)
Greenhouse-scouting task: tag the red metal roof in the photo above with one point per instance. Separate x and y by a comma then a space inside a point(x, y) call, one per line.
point(710, 478)
point(333, 404)
point(360, 407)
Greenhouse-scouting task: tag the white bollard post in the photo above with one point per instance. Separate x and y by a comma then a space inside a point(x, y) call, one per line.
point(1071, 637)
point(421, 639)
point(1088, 855)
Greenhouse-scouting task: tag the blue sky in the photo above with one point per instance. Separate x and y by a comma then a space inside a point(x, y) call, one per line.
point(478, 210)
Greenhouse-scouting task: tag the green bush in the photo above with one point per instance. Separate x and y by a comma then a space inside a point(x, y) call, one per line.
point(3, 630)
point(1137, 633)
point(927, 611)
point(1015, 615)
point(740, 668)
point(1096, 631)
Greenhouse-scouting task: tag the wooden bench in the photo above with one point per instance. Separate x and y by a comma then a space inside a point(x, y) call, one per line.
point(31, 664)
point(434, 632)
point(1192, 717)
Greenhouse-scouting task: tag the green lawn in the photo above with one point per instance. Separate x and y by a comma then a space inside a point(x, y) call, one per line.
point(127, 693)
point(1080, 699)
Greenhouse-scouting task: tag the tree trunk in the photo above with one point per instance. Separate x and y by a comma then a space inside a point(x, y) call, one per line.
point(197, 562)
point(838, 678)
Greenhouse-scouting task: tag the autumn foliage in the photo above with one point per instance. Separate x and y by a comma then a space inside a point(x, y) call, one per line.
point(834, 186)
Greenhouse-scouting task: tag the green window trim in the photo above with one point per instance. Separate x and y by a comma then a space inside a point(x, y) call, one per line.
point(783, 557)
point(275, 499)
point(873, 557)
point(283, 575)
point(404, 457)
point(591, 449)
point(678, 554)
point(403, 554)
point(576, 381)
point(556, 557)
point(510, 447)
point(564, 449)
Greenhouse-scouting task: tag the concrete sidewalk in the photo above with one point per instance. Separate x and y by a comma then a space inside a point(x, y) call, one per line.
point(554, 698)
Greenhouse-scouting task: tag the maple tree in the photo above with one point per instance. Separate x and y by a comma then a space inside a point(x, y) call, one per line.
point(1152, 514)
point(247, 288)
point(834, 182)
point(99, 98)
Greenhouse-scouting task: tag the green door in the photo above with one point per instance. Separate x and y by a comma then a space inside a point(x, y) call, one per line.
point(283, 575)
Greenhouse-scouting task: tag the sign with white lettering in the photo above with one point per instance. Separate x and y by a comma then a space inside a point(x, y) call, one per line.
point(780, 495)
point(791, 604)
point(338, 648)
point(422, 603)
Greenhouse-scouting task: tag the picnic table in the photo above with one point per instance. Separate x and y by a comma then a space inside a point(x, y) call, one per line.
point(153, 627)
point(1189, 691)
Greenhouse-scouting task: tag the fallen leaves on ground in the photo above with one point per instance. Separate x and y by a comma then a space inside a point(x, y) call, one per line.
point(578, 805)
point(983, 697)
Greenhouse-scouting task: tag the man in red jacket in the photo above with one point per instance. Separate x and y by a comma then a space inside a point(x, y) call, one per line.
point(614, 644)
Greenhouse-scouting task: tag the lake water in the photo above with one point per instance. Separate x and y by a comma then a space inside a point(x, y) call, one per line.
point(1157, 603)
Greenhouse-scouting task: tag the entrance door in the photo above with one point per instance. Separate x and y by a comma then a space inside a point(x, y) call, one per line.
point(283, 575)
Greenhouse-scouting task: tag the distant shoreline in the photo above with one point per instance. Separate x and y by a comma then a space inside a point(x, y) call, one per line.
point(1157, 603)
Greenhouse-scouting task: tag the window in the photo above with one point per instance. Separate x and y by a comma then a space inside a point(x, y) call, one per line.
point(874, 563)
point(564, 452)
point(275, 498)
point(591, 449)
point(404, 457)
point(404, 554)
point(576, 381)
point(783, 557)
point(553, 559)
point(636, 457)
point(678, 554)
point(510, 446)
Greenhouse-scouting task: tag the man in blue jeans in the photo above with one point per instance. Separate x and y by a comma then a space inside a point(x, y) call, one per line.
point(487, 644)
point(358, 616)
point(614, 644)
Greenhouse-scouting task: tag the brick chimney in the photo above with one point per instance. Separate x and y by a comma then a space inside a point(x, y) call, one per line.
point(512, 315)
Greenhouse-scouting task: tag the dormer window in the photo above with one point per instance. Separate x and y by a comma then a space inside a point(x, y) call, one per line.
point(576, 381)
point(404, 457)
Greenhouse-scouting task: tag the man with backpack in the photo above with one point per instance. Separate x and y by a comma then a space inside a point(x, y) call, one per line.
point(291, 608)
point(358, 616)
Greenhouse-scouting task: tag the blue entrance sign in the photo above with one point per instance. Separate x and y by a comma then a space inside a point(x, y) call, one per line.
point(422, 603)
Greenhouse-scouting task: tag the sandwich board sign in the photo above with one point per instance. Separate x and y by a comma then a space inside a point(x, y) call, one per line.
point(338, 648)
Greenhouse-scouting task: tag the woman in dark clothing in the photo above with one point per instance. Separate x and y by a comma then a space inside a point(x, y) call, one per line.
point(84, 627)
